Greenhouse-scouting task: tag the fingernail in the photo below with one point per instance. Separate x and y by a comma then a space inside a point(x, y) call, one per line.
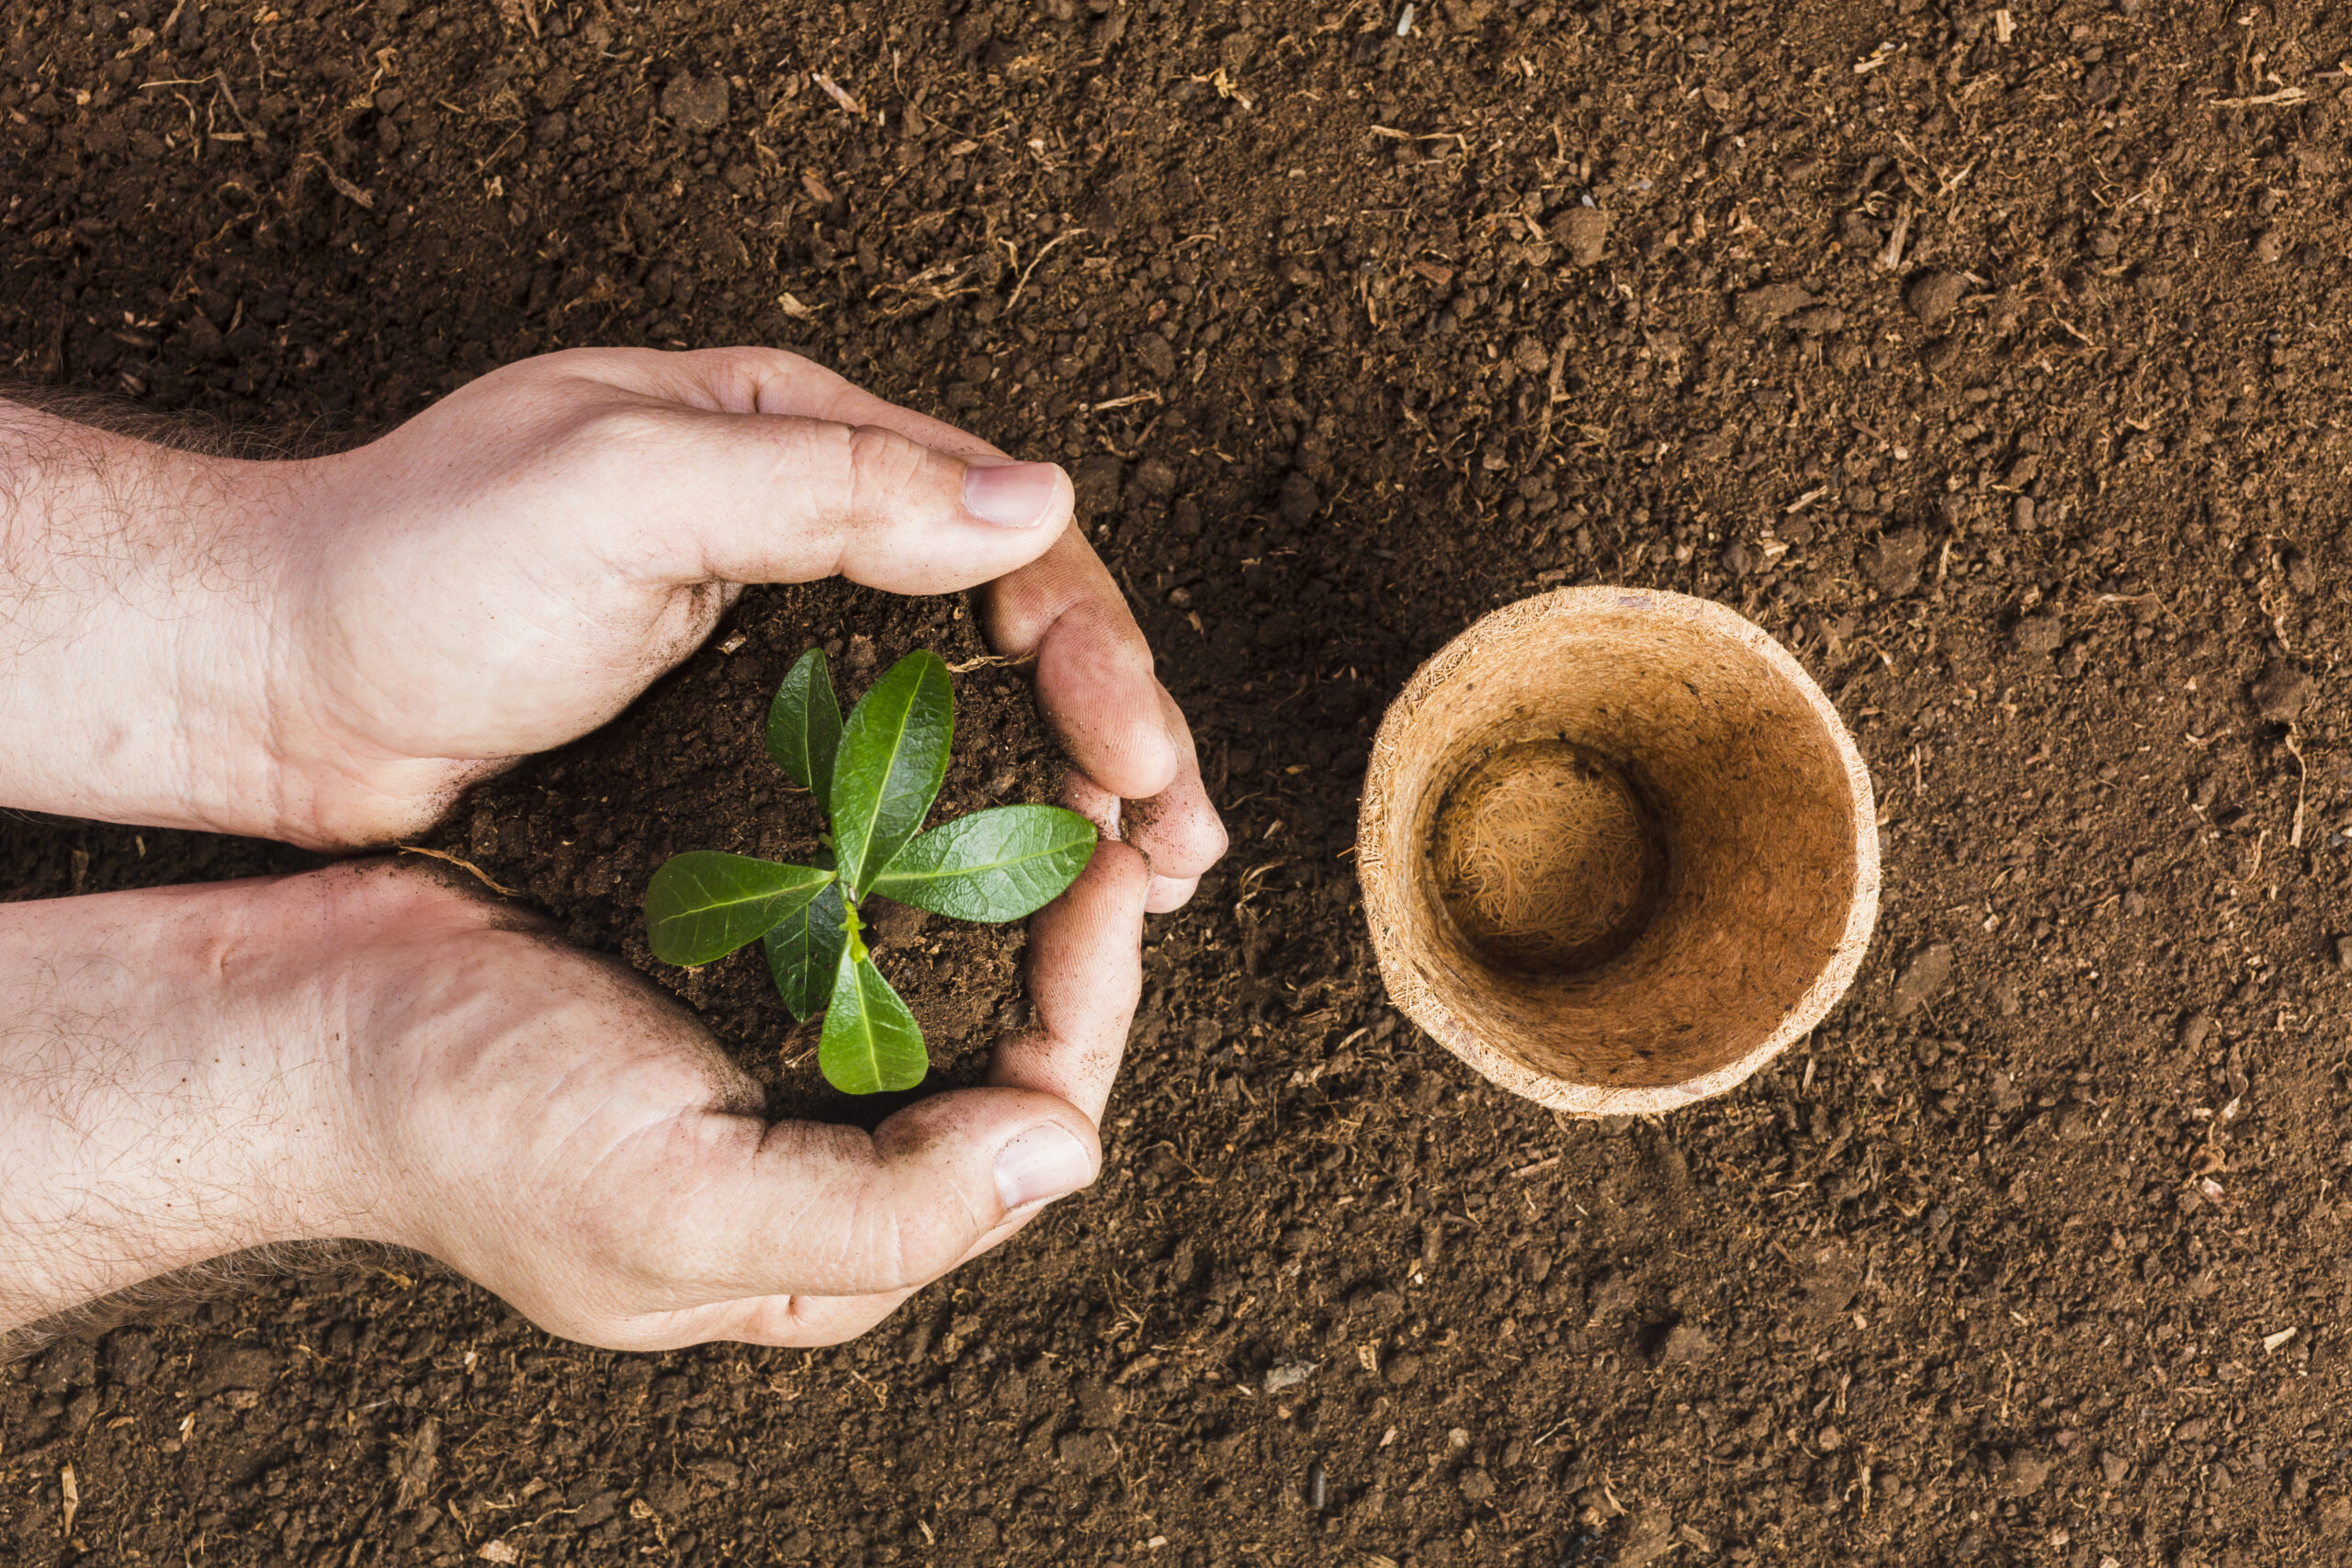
point(1042, 1162)
point(1010, 495)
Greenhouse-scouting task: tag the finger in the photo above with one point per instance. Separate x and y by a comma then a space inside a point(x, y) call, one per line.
point(746, 380)
point(1094, 803)
point(773, 498)
point(1094, 679)
point(1169, 893)
point(1085, 994)
point(1085, 975)
point(1177, 830)
point(802, 1208)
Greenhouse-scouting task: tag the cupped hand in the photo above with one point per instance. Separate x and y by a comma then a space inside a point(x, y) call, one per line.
point(510, 569)
point(566, 1137)
point(373, 1052)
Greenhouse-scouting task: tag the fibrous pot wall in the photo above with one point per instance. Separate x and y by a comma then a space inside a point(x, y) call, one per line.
point(1617, 849)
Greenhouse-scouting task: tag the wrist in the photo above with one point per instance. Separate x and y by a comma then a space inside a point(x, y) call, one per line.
point(171, 1083)
point(139, 620)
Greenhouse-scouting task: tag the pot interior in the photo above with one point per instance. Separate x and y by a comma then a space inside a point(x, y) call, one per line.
point(1628, 840)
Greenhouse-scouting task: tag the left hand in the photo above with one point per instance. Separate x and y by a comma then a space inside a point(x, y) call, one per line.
point(376, 1051)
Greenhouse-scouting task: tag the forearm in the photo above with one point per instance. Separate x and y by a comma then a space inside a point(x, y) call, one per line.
point(168, 1089)
point(136, 629)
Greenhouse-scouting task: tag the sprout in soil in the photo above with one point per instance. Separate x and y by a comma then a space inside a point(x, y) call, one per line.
point(874, 776)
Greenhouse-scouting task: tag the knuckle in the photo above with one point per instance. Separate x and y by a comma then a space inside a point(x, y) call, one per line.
point(883, 469)
point(915, 1241)
point(622, 429)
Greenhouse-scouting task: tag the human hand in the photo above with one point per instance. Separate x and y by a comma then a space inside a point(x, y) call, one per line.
point(329, 652)
point(369, 1052)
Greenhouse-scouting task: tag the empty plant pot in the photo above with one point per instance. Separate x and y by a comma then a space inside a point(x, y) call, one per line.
point(1617, 850)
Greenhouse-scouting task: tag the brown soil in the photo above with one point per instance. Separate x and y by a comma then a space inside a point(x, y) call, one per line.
point(1993, 359)
point(580, 831)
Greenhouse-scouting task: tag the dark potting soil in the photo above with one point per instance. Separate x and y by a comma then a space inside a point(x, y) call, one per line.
point(579, 831)
point(1994, 359)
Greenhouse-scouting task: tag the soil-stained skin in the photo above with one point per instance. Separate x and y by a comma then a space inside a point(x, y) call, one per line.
point(1992, 359)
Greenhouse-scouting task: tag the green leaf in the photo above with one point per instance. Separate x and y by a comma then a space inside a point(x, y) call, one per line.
point(805, 949)
point(870, 1045)
point(893, 755)
point(805, 725)
point(704, 904)
point(998, 865)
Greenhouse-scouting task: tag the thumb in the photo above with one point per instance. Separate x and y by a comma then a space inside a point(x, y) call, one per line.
point(832, 1211)
point(778, 497)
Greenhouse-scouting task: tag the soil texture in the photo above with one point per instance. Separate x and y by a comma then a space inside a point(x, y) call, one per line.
point(1993, 358)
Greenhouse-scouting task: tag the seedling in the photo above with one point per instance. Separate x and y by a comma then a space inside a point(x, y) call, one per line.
point(874, 776)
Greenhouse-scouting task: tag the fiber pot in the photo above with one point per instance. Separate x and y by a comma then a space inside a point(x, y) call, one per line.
point(1617, 850)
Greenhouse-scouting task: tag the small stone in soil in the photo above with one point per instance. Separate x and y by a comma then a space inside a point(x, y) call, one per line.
point(2280, 693)
point(1585, 232)
point(1299, 500)
point(2038, 634)
point(1158, 356)
point(1927, 973)
point(1098, 481)
point(1893, 563)
point(1155, 478)
point(1933, 296)
point(1772, 303)
point(696, 103)
point(222, 1366)
point(1288, 1374)
point(1684, 1344)
point(1089, 1454)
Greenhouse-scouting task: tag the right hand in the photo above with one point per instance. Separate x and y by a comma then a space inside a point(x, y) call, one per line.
point(330, 651)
